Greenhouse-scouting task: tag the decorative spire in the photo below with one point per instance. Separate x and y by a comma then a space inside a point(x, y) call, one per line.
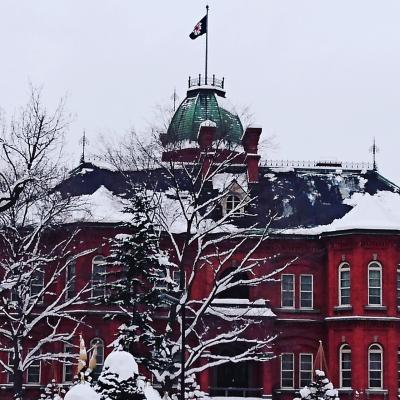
point(320, 360)
point(374, 149)
point(83, 141)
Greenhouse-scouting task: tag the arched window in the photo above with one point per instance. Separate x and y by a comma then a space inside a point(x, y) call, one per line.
point(232, 201)
point(345, 366)
point(70, 278)
point(375, 363)
point(374, 284)
point(344, 284)
point(98, 276)
point(99, 344)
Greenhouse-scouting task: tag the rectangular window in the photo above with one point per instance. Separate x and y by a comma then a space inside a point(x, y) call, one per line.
point(398, 287)
point(37, 282)
point(70, 279)
point(287, 370)
point(287, 291)
point(10, 363)
point(398, 369)
point(306, 369)
point(68, 365)
point(161, 282)
point(33, 372)
point(374, 286)
point(306, 291)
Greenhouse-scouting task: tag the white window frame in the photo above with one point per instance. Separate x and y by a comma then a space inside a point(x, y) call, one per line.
point(398, 287)
point(375, 266)
point(70, 293)
point(37, 272)
point(398, 369)
point(344, 349)
point(98, 260)
point(375, 348)
point(344, 267)
point(100, 351)
point(303, 291)
point(302, 370)
point(68, 348)
point(288, 370)
point(230, 198)
point(9, 359)
point(293, 291)
point(39, 364)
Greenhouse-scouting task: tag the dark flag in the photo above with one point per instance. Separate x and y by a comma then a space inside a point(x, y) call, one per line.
point(200, 28)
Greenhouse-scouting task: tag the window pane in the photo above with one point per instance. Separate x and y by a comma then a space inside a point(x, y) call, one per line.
point(287, 290)
point(287, 370)
point(70, 278)
point(306, 364)
point(99, 357)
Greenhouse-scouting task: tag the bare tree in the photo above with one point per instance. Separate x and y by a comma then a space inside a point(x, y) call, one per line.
point(35, 252)
point(206, 237)
point(26, 145)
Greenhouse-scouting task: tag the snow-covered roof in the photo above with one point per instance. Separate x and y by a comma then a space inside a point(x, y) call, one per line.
point(380, 211)
point(305, 201)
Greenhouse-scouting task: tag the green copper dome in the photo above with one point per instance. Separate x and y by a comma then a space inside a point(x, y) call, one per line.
point(204, 103)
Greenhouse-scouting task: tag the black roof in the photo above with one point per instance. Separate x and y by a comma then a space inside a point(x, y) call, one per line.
point(300, 197)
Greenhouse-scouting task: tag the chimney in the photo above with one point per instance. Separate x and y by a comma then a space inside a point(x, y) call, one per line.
point(205, 139)
point(250, 141)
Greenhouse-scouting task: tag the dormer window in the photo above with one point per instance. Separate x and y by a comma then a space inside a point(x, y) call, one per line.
point(232, 202)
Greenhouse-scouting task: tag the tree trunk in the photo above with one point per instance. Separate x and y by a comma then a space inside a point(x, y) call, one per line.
point(18, 375)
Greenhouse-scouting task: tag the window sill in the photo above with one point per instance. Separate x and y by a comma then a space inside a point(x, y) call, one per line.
point(347, 307)
point(375, 308)
point(376, 391)
point(298, 310)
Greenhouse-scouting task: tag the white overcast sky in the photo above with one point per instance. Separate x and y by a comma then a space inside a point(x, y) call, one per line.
point(322, 76)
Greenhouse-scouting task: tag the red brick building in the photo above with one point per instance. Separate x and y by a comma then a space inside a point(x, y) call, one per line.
point(342, 222)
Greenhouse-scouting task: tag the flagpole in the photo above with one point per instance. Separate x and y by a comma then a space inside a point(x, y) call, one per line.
point(206, 47)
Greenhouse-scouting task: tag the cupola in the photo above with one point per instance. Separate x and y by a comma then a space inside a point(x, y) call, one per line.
point(205, 101)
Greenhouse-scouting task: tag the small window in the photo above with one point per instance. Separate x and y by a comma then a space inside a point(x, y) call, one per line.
point(398, 368)
point(176, 277)
point(374, 284)
point(375, 358)
point(306, 369)
point(70, 279)
point(344, 284)
point(345, 366)
point(287, 291)
point(162, 281)
point(98, 277)
point(37, 282)
point(232, 202)
point(68, 364)
point(33, 372)
point(398, 287)
point(287, 370)
point(10, 363)
point(306, 291)
point(99, 343)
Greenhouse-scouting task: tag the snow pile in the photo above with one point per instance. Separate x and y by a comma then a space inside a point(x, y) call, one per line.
point(122, 364)
point(151, 393)
point(379, 211)
point(82, 391)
